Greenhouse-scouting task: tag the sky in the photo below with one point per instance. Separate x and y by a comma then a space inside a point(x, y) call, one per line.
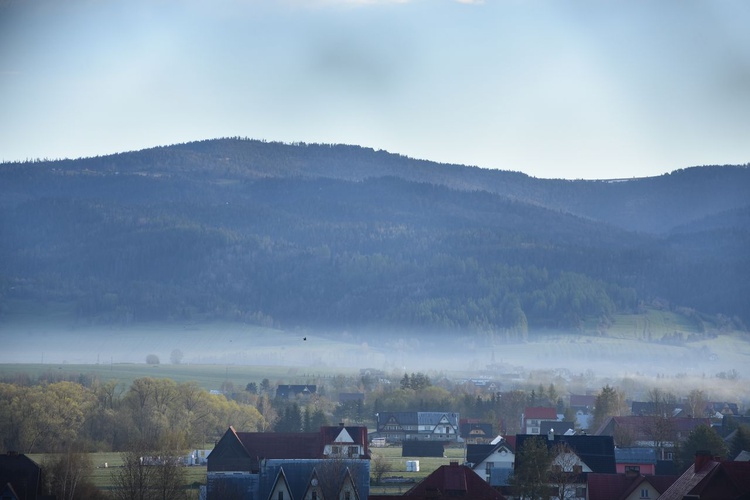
point(575, 89)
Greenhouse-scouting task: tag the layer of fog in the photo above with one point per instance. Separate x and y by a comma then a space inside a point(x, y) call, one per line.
point(582, 362)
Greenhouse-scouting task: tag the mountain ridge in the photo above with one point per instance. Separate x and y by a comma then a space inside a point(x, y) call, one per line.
point(294, 235)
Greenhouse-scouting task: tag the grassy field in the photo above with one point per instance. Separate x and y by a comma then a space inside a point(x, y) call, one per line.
point(427, 465)
point(101, 476)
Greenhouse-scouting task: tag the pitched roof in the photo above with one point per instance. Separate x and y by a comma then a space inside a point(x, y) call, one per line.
point(282, 444)
point(597, 452)
point(711, 478)
point(451, 481)
point(545, 412)
point(478, 453)
point(585, 400)
point(616, 486)
point(640, 425)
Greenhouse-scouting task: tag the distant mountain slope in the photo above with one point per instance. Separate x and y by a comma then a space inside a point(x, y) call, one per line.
point(342, 236)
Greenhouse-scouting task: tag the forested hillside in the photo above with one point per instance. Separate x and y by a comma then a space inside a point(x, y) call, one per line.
point(342, 236)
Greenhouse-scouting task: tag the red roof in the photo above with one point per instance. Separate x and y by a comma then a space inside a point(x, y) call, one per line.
point(541, 412)
point(710, 478)
point(615, 486)
point(451, 481)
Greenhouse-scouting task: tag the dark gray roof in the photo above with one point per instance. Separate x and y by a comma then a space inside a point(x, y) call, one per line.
point(598, 452)
point(635, 455)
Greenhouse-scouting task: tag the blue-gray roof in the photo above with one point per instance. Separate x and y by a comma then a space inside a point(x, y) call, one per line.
point(635, 455)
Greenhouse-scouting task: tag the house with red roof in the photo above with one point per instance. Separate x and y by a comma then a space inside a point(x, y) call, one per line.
point(449, 482)
point(628, 486)
point(711, 478)
point(533, 416)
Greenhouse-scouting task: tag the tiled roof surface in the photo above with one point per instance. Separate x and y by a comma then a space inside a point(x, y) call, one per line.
point(546, 412)
point(282, 444)
point(450, 481)
point(617, 486)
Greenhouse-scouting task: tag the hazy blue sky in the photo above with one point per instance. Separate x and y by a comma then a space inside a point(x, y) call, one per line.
point(553, 88)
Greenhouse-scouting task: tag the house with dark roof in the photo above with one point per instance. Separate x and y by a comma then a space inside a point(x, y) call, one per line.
point(449, 482)
point(483, 458)
point(711, 478)
point(644, 408)
point(256, 463)
point(473, 430)
point(285, 391)
point(20, 476)
point(418, 425)
point(627, 486)
point(579, 455)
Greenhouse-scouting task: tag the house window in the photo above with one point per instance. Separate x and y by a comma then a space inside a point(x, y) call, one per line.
point(335, 450)
point(488, 467)
point(633, 468)
point(581, 492)
point(347, 495)
point(281, 495)
point(314, 495)
point(644, 493)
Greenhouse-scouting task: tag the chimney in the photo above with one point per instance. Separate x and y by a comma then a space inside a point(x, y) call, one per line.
point(702, 457)
point(454, 463)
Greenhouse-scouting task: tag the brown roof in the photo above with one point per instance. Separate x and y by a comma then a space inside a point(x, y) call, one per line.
point(546, 412)
point(711, 478)
point(451, 482)
point(282, 444)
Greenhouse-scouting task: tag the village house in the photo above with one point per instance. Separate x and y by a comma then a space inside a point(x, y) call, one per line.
point(418, 425)
point(627, 486)
point(710, 478)
point(473, 430)
point(255, 465)
point(485, 458)
point(583, 455)
point(533, 416)
point(449, 482)
point(286, 391)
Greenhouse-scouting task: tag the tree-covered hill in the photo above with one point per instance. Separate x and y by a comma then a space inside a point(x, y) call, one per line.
point(343, 236)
